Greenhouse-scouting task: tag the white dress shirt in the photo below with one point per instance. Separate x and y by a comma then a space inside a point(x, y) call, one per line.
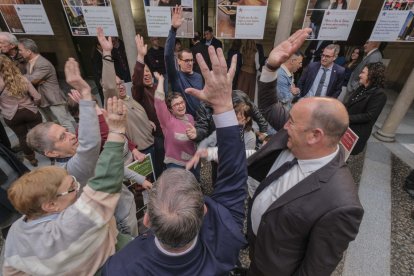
point(280, 186)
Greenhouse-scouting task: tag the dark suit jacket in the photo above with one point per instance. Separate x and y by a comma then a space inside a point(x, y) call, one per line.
point(335, 82)
point(214, 42)
point(43, 77)
point(363, 113)
point(307, 229)
point(203, 50)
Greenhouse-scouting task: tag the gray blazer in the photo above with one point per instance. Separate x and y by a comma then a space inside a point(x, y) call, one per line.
point(353, 83)
point(44, 79)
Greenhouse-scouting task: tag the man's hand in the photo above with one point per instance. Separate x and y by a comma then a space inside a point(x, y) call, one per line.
point(74, 79)
point(159, 77)
point(284, 50)
point(218, 82)
point(177, 17)
point(201, 153)
point(75, 95)
point(294, 90)
point(115, 116)
point(147, 185)
point(138, 156)
point(142, 48)
point(191, 131)
point(106, 43)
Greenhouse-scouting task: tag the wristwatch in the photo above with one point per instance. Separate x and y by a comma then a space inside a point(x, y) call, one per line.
point(270, 67)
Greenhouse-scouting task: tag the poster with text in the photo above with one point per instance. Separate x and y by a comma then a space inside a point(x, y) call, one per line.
point(395, 22)
point(84, 16)
point(330, 19)
point(158, 17)
point(25, 17)
point(243, 19)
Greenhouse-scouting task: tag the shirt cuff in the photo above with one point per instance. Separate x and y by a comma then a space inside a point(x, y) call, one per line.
point(267, 75)
point(225, 119)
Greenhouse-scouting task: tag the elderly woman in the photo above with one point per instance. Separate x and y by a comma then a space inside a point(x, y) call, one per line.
point(60, 232)
point(18, 100)
point(366, 103)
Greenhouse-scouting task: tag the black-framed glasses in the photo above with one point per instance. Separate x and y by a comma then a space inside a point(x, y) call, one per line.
point(74, 187)
point(187, 60)
point(326, 56)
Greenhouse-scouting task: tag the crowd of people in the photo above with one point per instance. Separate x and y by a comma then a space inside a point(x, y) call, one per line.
point(78, 217)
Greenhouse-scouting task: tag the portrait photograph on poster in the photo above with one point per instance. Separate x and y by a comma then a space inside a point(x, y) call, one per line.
point(226, 21)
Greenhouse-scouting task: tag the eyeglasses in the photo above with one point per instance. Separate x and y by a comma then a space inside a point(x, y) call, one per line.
point(326, 56)
point(178, 104)
point(187, 60)
point(121, 83)
point(74, 187)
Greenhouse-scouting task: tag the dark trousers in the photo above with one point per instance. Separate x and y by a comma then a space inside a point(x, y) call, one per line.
point(21, 123)
point(4, 139)
point(159, 151)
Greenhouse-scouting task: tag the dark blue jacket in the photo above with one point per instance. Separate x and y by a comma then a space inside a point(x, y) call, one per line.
point(179, 80)
point(335, 82)
point(220, 238)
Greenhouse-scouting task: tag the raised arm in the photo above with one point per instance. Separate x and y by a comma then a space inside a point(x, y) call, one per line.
point(271, 108)
point(138, 76)
point(161, 109)
point(176, 21)
point(229, 189)
point(108, 69)
point(82, 164)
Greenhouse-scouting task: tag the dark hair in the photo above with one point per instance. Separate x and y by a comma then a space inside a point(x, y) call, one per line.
point(376, 74)
point(196, 36)
point(177, 40)
point(245, 109)
point(236, 45)
point(170, 97)
point(344, 5)
point(208, 29)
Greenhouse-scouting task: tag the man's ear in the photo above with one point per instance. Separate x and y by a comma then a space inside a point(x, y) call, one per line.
point(146, 220)
point(205, 209)
point(316, 136)
point(49, 207)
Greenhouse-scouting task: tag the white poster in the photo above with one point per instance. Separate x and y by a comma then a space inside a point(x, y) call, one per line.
point(244, 19)
point(25, 17)
point(395, 22)
point(158, 17)
point(330, 19)
point(84, 16)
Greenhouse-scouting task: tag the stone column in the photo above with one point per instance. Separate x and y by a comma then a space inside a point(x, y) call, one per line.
point(284, 24)
point(398, 111)
point(128, 31)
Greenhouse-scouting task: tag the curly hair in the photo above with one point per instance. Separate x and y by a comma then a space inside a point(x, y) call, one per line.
point(14, 81)
point(376, 74)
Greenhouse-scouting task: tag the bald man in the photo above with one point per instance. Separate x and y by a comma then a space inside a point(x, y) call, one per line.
point(305, 210)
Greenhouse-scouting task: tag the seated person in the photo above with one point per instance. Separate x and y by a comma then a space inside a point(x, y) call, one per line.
point(61, 233)
point(191, 234)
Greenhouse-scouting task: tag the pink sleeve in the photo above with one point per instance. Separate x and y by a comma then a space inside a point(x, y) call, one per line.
point(163, 113)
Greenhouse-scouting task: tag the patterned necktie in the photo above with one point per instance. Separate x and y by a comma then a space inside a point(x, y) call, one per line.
point(321, 82)
point(275, 175)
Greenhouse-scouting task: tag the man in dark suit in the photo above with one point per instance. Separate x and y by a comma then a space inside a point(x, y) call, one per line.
point(209, 39)
point(42, 74)
point(201, 48)
point(323, 78)
point(305, 210)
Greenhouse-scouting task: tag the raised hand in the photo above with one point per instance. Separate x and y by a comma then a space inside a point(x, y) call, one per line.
point(75, 95)
point(142, 48)
point(284, 50)
point(218, 82)
point(106, 43)
point(74, 79)
point(177, 17)
point(201, 153)
point(115, 115)
point(158, 77)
